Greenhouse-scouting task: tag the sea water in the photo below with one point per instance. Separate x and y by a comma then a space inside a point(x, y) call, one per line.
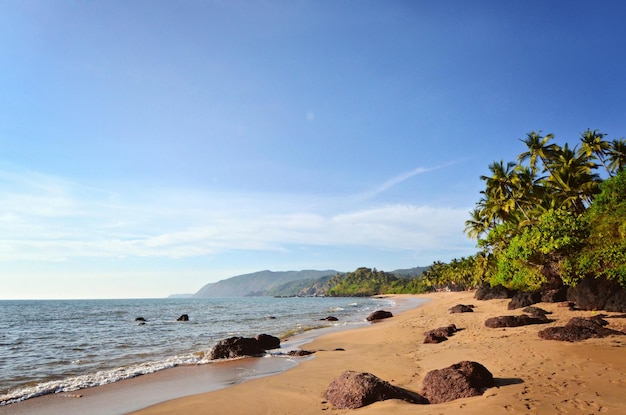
point(50, 346)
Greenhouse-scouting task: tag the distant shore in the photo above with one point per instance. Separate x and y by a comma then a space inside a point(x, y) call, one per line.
point(532, 375)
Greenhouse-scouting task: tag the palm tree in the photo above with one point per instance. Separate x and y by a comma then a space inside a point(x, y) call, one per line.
point(538, 148)
point(477, 224)
point(502, 192)
point(572, 179)
point(593, 145)
point(617, 155)
point(531, 193)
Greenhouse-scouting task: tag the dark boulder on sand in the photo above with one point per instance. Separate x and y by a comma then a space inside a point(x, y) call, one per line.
point(243, 346)
point(379, 315)
point(556, 295)
point(578, 329)
point(440, 334)
point(524, 299)
point(536, 311)
point(461, 380)
point(598, 294)
point(616, 302)
point(433, 337)
point(353, 390)
point(515, 321)
point(487, 292)
point(462, 308)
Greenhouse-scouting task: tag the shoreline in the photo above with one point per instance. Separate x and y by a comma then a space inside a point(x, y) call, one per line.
point(139, 392)
point(533, 376)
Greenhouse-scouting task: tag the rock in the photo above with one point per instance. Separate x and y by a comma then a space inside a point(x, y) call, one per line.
point(579, 328)
point(461, 380)
point(440, 334)
point(236, 347)
point(486, 292)
point(184, 317)
point(267, 342)
point(353, 390)
point(331, 318)
point(524, 299)
point(514, 321)
point(299, 353)
point(433, 337)
point(556, 295)
point(462, 308)
point(536, 311)
point(379, 315)
point(443, 331)
point(140, 319)
point(616, 302)
point(595, 293)
point(593, 322)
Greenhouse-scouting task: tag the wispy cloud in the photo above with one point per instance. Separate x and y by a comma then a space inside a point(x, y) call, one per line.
point(46, 219)
point(394, 181)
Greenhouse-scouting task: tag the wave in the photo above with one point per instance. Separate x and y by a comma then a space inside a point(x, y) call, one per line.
point(102, 377)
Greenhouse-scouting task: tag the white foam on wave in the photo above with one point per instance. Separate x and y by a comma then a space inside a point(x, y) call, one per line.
point(102, 377)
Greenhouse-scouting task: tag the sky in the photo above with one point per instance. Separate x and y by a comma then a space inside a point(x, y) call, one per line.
point(149, 147)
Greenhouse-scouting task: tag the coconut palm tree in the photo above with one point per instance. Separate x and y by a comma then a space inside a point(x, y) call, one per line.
point(538, 148)
point(593, 146)
point(572, 180)
point(477, 224)
point(616, 155)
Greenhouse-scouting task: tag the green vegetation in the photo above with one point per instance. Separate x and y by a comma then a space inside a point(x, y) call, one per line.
point(554, 220)
point(546, 220)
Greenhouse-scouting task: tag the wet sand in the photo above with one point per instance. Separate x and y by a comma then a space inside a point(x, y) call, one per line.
point(533, 376)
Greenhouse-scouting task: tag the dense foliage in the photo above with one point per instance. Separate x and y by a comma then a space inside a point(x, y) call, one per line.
point(554, 220)
point(364, 282)
point(553, 217)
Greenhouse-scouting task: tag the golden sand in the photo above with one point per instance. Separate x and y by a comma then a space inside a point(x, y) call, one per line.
point(533, 376)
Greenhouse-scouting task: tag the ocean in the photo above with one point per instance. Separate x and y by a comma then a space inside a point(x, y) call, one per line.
point(51, 346)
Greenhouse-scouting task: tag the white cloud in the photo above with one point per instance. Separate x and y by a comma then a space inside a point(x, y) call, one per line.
point(47, 219)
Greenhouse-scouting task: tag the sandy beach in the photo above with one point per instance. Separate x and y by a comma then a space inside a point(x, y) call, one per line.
point(533, 376)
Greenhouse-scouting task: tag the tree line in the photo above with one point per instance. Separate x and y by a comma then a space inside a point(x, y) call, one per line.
point(552, 217)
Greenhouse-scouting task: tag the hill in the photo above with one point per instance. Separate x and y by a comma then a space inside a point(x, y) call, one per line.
point(410, 272)
point(258, 283)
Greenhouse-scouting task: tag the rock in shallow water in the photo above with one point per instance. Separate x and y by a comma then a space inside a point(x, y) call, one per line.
point(379, 315)
point(243, 346)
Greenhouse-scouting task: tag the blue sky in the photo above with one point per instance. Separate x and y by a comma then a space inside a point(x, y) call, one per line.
point(150, 147)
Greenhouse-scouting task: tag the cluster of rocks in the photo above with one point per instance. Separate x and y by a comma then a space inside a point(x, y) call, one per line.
point(142, 320)
point(579, 328)
point(440, 334)
point(353, 390)
point(589, 294)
